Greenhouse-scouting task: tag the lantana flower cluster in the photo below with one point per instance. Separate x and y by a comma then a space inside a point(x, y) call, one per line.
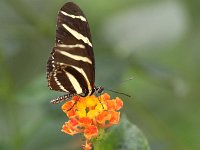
point(88, 115)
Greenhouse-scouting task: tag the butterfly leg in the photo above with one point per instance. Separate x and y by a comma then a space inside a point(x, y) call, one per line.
point(99, 98)
point(74, 104)
point(61, 98)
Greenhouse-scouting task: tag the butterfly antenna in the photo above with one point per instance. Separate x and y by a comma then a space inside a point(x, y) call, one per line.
point(119, 92)
point(131, 78)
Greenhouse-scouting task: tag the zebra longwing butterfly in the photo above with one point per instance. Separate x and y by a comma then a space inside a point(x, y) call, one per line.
point(71, 66)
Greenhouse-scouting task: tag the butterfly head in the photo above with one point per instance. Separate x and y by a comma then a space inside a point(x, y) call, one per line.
point(98, 91)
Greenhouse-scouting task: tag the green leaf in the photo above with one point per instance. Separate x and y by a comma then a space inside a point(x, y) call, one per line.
point(125, 136)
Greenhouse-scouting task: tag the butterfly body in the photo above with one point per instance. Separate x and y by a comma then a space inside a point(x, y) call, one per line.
point(71, 66)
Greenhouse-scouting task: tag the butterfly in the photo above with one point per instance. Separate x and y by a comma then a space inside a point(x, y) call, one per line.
point(71, 65)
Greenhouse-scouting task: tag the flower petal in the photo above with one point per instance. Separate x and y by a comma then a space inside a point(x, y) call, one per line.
point(119, 103)
point(111, 104)
point(103, 117)
point(105, 96)
point(91, 101)
point(81, 105)
point(81, 113)
point(68, 105)
point(87, 146)
point(101, 107)
point(71, 127)
point(115, 116)
point(92, 114)
point(91, 132)
point(85, 121)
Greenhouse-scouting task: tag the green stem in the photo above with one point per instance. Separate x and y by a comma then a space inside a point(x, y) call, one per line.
point(97, 141)
point(96, 145)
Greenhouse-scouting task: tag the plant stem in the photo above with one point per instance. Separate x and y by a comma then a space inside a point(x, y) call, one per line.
point(96, 145)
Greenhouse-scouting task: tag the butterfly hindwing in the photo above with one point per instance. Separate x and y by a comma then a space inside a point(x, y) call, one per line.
point(71, 67)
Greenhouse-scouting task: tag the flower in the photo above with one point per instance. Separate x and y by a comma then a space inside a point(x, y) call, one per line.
point(88, 115)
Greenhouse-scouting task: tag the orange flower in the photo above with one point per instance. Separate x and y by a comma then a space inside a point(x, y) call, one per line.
point(119, 103)
point(71, 127)
point(103, 117)
point(114, 117)
point(87, 146)
point(89, 114)
point(90, 132)
point(85, 121)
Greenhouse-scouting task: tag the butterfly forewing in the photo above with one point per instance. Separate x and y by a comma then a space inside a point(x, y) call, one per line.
point(71, 67)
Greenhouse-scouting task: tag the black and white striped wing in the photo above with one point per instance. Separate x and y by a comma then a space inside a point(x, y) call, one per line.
point(71, 67)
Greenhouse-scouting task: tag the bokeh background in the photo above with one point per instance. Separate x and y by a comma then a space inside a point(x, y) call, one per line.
point(157, 43)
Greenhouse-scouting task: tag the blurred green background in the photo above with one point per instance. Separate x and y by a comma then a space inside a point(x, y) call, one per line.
point(156, 42)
